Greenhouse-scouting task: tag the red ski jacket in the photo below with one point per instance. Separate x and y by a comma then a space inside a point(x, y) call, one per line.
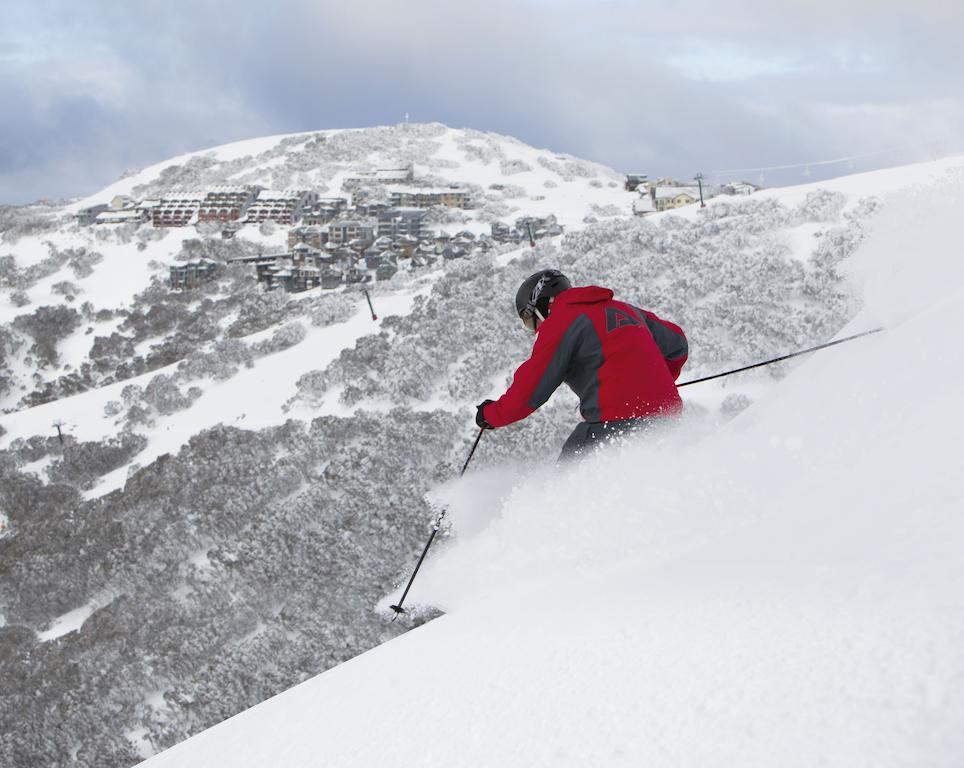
point(620, 360)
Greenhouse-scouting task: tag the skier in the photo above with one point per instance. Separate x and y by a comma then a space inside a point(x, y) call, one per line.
point(621, 361)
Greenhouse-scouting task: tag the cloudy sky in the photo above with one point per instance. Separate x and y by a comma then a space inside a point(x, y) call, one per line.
point(92, 88)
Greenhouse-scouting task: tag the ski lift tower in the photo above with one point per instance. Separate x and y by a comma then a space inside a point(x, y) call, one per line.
point(699, 180)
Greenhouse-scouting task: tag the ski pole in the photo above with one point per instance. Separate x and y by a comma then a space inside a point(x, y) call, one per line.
point(781, 358)
point(370, 307)
point(438, 524)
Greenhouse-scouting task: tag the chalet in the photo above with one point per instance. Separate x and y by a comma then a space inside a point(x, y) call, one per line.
point(381, 176)
point(537, 227)
point(303, 253)
point(398, 222)
point(386, 270)
point(292, 278)
point(121, 216)
point(122, 209)
point(419, 197)
point(426, 249)
point(331, 278)
point(263, 267)
point(373, 257)
point(323, 210)
point(423, 260)
point(406, 245)
point(224, 203)
point(371, 209)
point(250, 259)
point(636, 180)
point(343, 231)
point(148, 207)
point(122, 202)
point(503, 233)
point(192, 273)
point(739, 188)
point(668, 198)
point(179, 209)
point(486, 243)
point(357, 275)
point(345, 255)
point(314, 236)
point(643, 206)
point(87, 216)
point(281, 207)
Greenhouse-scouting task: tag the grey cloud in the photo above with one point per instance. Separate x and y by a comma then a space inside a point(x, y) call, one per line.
point(594, 79)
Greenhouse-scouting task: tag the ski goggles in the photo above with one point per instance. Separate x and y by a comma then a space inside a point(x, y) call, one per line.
point(528, 317)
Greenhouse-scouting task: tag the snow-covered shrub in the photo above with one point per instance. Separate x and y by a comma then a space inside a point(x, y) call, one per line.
point(335, 308)
point(19, 298)
point(132, 394)
point(493, 210)
point(606, 210)
point(441, 162)
point(23, 221)
point(47, 326)
point(139, 415)
point(66, 289)
point(193, 174)
point(512, 191)
point(13, 277)
point(821, 205)
point(148, 234)
point(511, 167)
point(481, 153)
point(82, 261)
point(568, 168)
point(107, 351)
point(258, 311)
point(112, 408)
point(221, 361)
point(163, 394)
point(285, 337)
point(83, 463)
point(30, 449)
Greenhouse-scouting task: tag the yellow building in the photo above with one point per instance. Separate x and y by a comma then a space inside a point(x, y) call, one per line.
point(667, 198)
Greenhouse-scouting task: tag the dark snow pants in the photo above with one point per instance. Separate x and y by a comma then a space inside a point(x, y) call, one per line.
point(588, 436)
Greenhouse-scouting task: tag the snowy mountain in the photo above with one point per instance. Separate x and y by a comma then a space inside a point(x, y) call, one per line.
point(785, 589)
point(245, 475)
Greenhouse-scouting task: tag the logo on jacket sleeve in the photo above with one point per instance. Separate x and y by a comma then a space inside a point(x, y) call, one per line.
point(618, 318)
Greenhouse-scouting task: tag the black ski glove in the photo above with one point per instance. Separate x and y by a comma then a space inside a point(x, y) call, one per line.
point(479, 417)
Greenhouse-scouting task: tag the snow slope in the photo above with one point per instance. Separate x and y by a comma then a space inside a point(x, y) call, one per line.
point(786, 590)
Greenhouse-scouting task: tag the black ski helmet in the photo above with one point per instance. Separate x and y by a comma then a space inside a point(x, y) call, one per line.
point(532, 298)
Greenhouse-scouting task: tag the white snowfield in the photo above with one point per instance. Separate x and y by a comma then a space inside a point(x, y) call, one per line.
point(785, 591)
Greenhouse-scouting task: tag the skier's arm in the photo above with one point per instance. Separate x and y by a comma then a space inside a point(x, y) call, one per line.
point(670, 339)
point(538, 377)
